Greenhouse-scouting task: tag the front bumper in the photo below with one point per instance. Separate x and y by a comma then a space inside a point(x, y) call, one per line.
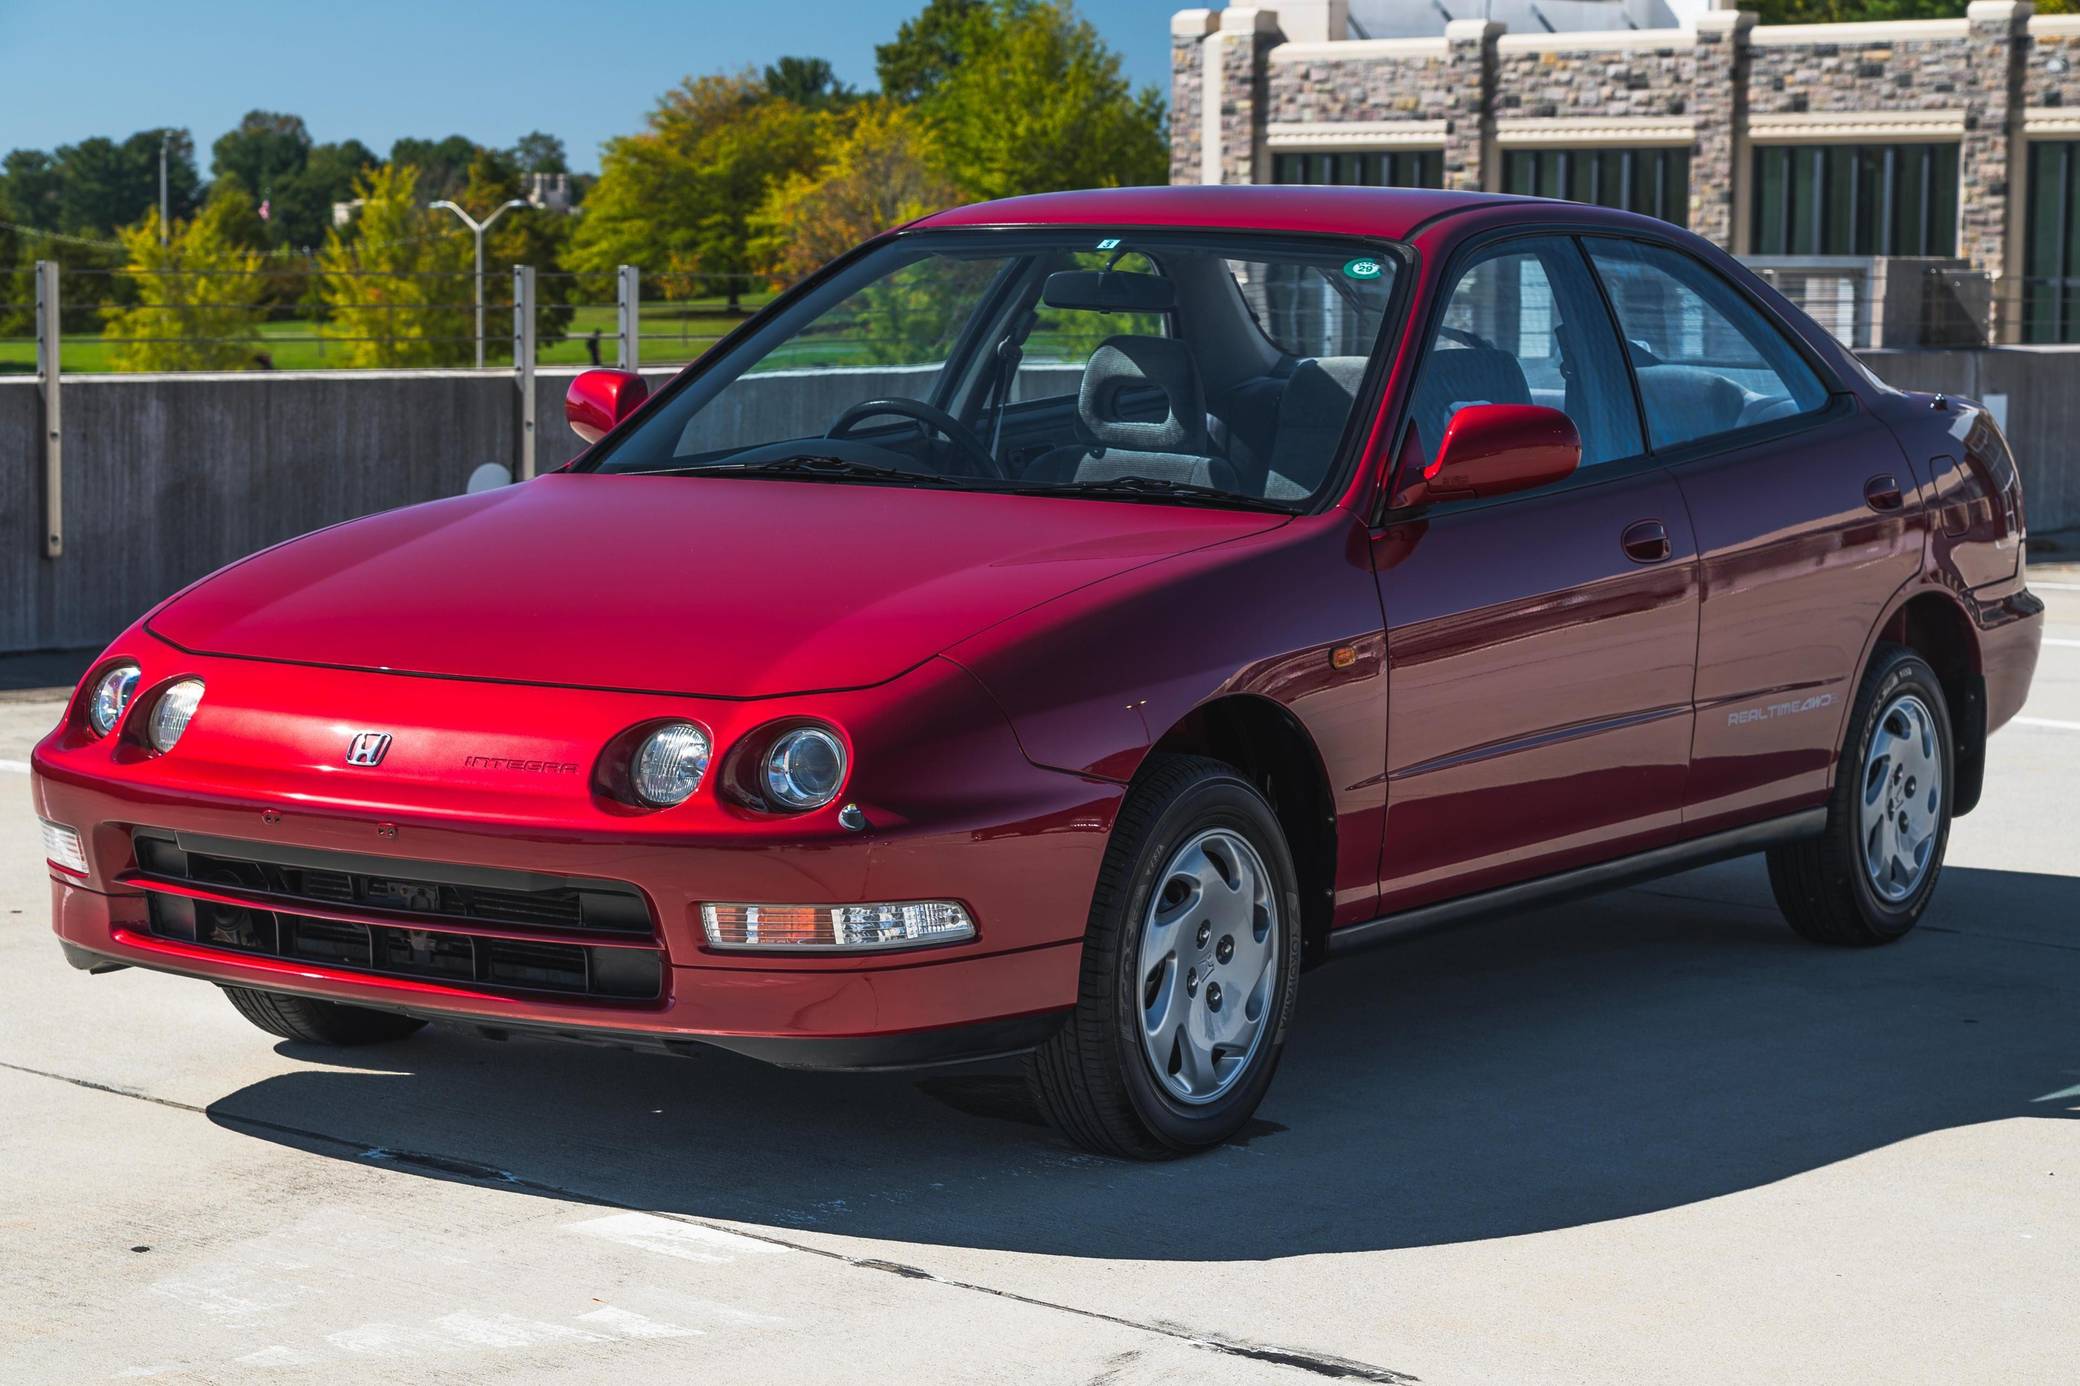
point(955, 811)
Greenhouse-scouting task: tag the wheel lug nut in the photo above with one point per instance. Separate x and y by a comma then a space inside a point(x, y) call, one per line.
point(1226, 950)
point(1213, 995)
point(1191, 982)
point(1205, 932)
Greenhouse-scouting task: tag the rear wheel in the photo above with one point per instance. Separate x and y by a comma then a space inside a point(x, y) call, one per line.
point(1189, 965)
point(319, 1022)
point(1869, 876)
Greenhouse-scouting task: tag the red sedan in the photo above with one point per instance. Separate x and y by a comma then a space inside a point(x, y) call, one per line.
point(1052, 626)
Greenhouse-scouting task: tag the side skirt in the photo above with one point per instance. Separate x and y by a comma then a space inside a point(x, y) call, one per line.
point(1583, 880)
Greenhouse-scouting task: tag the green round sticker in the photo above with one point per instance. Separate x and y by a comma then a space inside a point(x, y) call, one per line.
point(1364, 267)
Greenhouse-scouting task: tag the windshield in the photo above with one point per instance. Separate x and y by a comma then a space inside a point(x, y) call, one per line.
point(1190, 367)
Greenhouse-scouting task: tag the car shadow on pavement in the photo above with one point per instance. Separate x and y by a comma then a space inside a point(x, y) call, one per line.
point(1591, 1061)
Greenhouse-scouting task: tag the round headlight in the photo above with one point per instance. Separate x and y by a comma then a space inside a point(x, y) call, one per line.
point(669, 764)
point(805, 769)
point(112, 693)
point(171, 713)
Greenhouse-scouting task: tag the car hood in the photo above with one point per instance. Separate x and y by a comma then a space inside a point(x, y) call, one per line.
point(716, 586)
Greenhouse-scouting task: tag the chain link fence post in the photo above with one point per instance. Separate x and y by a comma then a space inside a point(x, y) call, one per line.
point(49, 341)
point(628, 284)
point(523, 367)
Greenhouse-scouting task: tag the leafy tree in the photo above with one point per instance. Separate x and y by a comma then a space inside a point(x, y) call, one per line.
point(197, 297)
point(1854, 11)
point(523, 236)
point(678, 196)
point(396, 284)
point(810, 83)
point(266, 150)
point(927, 48)
point(443, 164)
point(880, 173)
point(536, 152)
point(1037, 103)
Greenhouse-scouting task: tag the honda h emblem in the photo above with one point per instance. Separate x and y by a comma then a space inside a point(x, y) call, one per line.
point(367, 748)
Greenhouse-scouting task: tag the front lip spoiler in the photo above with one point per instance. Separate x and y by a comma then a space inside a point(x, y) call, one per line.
point(1001, 1037)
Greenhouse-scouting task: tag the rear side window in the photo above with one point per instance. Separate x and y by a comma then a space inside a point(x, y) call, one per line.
point(1707, 362)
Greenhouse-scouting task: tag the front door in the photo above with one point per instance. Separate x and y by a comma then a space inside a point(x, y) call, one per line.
point(1541, 645)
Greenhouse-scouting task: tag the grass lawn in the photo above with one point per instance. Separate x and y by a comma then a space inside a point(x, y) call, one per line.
point(672, 333)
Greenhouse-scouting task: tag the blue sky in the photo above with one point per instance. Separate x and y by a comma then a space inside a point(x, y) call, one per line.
point(377, 69)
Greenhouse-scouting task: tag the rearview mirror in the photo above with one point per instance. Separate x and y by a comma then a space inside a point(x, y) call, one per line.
point(1492, 450)
point(597, 400)
point(1109, 291)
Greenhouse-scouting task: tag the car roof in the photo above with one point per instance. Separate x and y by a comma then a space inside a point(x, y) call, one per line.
point(1390, 213)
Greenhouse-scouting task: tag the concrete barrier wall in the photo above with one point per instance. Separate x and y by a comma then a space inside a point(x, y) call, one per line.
point(169, 477)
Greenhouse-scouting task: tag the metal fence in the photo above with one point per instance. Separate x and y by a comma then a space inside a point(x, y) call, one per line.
point(302, 317)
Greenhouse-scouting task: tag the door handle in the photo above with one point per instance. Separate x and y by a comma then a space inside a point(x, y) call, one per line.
point(1882, 493)
point(1646, 541)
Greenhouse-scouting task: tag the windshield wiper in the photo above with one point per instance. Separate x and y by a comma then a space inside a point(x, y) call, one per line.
point(812, 465)
point(1147, 487)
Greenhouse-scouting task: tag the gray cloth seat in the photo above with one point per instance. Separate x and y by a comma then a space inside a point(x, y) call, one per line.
point(1685, 402)
point(1453, 376)
point(1119, 429)
point(1312, 413)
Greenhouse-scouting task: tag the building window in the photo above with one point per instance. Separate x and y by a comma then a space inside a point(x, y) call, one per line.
point(1882, 199)
point(2051, 281)
point(1654, 181)
point(1375, 168)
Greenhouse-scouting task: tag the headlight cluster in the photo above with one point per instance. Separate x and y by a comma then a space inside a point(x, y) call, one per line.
point(173, 707)
point(789, 767)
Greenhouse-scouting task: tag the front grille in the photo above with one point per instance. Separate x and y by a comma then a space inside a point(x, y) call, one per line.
point(489, 929)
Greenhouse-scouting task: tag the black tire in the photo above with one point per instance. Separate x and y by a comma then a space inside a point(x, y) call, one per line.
point(1093, 1078)
point(1821, 885)
point(311, 1021)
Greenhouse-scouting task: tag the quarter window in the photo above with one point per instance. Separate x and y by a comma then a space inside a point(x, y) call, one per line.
point(1524, 325)
point(1706, 361)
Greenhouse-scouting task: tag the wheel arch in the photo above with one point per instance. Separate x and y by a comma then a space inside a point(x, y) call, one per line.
point(1270, 748)
point(1932, 623)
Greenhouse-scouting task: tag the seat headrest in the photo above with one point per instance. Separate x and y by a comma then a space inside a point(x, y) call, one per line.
point(1127, 363)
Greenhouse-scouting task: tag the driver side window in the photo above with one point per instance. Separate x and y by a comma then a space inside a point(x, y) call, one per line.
point(1524, 324)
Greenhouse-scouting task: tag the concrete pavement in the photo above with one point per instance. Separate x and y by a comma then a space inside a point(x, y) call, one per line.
point(1643, 1138)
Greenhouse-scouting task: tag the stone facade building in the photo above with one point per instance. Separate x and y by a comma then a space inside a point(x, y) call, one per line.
point(1952, 141)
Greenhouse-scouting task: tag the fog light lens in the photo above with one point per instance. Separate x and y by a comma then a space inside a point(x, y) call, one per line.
point(836, 926)
point(112, 693)
point(669, 764)
point(171, 714)
point(61, 847)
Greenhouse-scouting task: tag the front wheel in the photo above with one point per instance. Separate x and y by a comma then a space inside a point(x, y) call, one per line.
point(1190, 962)
point(1868, 877)
point(312, 1021)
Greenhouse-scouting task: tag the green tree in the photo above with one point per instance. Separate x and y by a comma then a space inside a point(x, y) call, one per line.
point(396, 284)
point(881, 172)
point(927, 48)
point(1035, 102)
point(443, 164)
point(536, 152)
point(1854, 11)
point(197, 298)
point(810, 83)
point(678, 196)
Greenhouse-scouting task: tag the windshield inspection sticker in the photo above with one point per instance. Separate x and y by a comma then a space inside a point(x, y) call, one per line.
point(1109, 243)
point(1364, 267)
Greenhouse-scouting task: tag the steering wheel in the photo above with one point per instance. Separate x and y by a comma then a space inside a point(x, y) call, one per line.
point(931, 416)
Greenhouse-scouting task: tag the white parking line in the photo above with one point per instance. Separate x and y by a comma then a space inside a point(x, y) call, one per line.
point(20, 767)
point(2057, 640)
point(2047, 724)
point(2057, 586)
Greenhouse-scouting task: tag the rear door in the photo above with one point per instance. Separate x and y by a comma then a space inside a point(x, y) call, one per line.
point(1797, 496)
point(1541, 644)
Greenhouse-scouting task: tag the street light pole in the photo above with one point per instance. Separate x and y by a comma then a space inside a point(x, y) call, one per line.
point(477, 229)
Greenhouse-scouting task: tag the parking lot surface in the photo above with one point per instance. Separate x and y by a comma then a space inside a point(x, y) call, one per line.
point(1646, 1137)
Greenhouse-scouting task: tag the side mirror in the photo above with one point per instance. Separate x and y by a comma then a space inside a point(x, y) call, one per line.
point(597, 400)
point(1491, 450)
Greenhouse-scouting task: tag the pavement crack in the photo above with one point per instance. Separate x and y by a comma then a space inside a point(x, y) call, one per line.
point(375, 1155)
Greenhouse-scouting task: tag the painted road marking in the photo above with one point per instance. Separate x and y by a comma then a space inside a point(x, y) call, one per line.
point(2069, 644)
point(2047, 724)
point(669, 1237)
point(2057, 586)
point(20, 767)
